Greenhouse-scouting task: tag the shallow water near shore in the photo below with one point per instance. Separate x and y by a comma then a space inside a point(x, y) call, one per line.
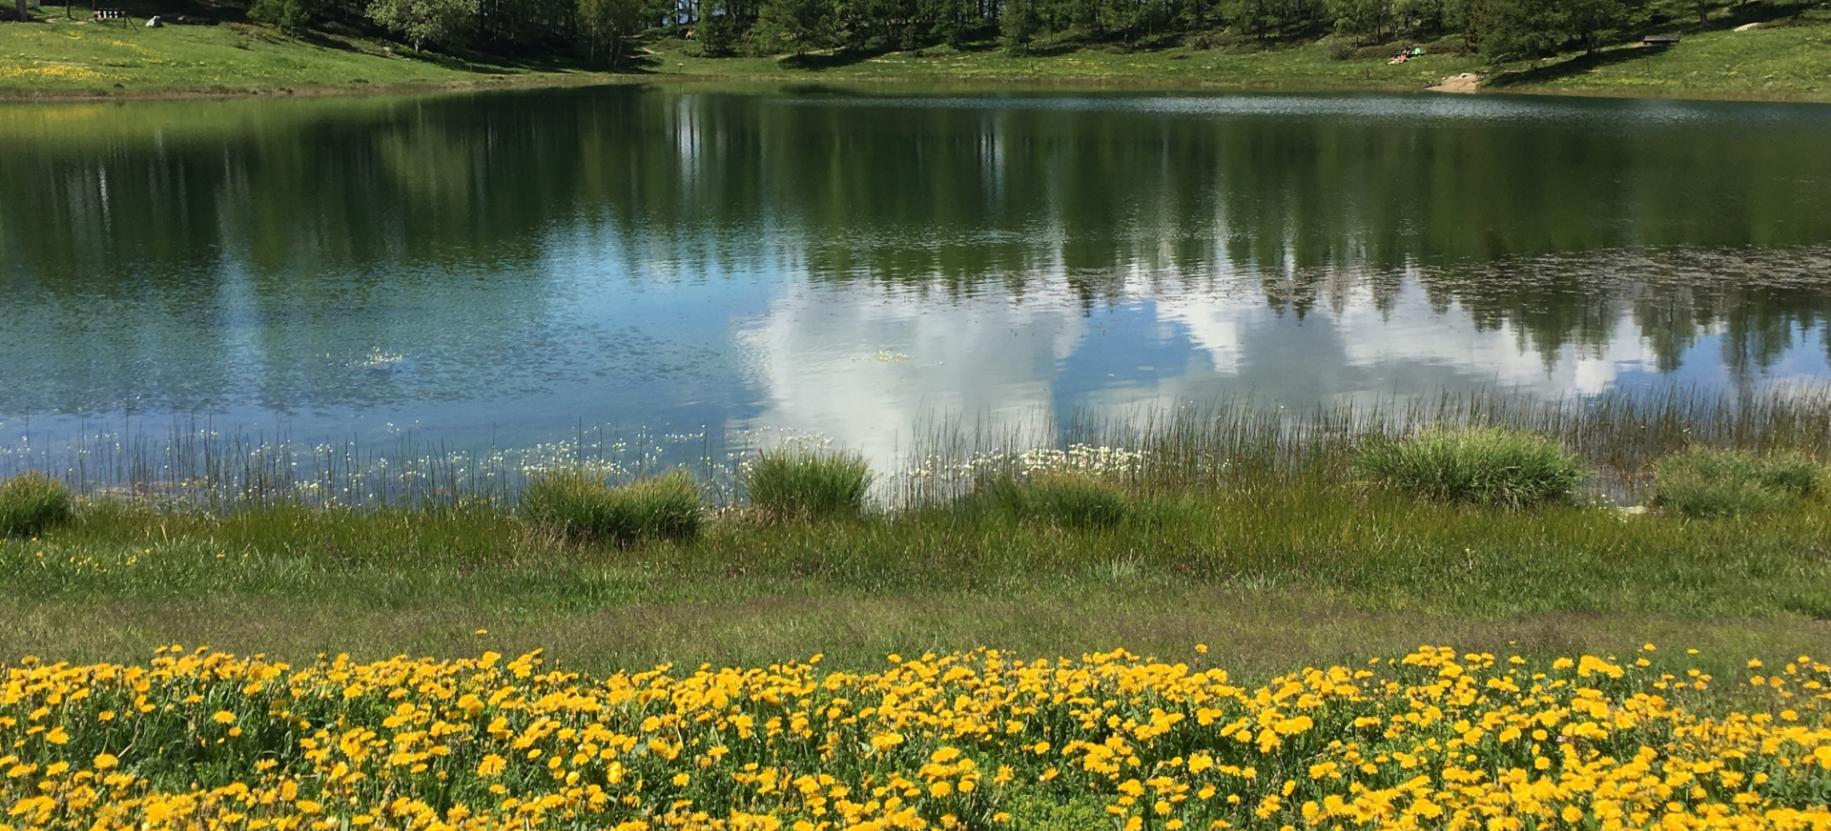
point(689, 272)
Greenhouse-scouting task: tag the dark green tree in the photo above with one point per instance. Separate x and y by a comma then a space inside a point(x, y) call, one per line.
point(1254, 17)
point(717, 31)
point(607, 25)
point(294, 17)
point(1368, 21)
point(1420, 18)
point(1506, 30)
point(951, 21)
point(1589, 22)
point(794, 25)
point(1017, 26)
point(425, 21)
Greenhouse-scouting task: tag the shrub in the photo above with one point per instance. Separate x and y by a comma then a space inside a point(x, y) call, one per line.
point(717, 36)
point(1452, 45)
point(1701, 481)
point(294, 17)
point(1483, 466)
point(1069, 500)
point(582, 507)
point(802, 485)
point(30, 503)
point(425, 21)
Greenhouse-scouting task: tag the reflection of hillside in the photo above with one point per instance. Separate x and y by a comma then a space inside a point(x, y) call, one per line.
point(245, 211)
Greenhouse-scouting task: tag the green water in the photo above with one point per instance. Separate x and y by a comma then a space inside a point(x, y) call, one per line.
point(501, 270)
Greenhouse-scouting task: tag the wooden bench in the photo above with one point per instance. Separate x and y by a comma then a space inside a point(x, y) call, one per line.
point(109, 14)
point(1659, 40)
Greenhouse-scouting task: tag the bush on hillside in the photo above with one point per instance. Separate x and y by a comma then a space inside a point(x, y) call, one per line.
point(293, 17)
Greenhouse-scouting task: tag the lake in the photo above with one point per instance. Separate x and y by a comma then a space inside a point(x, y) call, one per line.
point(706, 267)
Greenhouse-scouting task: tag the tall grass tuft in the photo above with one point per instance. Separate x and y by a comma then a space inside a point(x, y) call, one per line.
point(1704, 481)
point(581, 507)
point(800, 484)
point(30, 503)
point(1063, 498)
point(1479, 465)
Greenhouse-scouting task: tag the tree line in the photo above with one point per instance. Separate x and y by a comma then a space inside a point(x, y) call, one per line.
point(603, 31)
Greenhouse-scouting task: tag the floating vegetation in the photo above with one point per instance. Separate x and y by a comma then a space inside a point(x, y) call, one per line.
point(377, 359)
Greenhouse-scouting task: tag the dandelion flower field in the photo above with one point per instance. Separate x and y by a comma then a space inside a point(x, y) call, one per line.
point(981, 739)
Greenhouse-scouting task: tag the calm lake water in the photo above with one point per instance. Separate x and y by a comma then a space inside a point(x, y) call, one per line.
point(505, 269)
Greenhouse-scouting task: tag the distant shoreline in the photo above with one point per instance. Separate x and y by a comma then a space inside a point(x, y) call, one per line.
point(57, 61)
point(480, 83)
point(565, 80)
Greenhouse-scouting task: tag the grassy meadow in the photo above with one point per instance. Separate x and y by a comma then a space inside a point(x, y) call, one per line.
point(1773, 61)
point(1268, 577)
point(66, 58)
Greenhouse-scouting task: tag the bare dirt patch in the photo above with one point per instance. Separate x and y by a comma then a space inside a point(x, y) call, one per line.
point(1463, 82)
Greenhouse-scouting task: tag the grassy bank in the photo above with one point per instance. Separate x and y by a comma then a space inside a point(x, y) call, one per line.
point(66, 59)
point(1773, 62)
point(1239, 570)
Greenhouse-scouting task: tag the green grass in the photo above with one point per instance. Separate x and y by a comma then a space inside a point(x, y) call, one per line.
point(69, 58)
point(1710, 482)
point(804, 485)
point(579, 506)
point(1248, 67)
point(1065, 499)
point(32, 503)
point(1483, 466)
point(1776, 60)
point(59, 58)
point(1270, 575)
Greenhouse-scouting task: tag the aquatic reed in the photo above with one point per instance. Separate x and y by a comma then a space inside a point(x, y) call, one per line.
point(1232, 442)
